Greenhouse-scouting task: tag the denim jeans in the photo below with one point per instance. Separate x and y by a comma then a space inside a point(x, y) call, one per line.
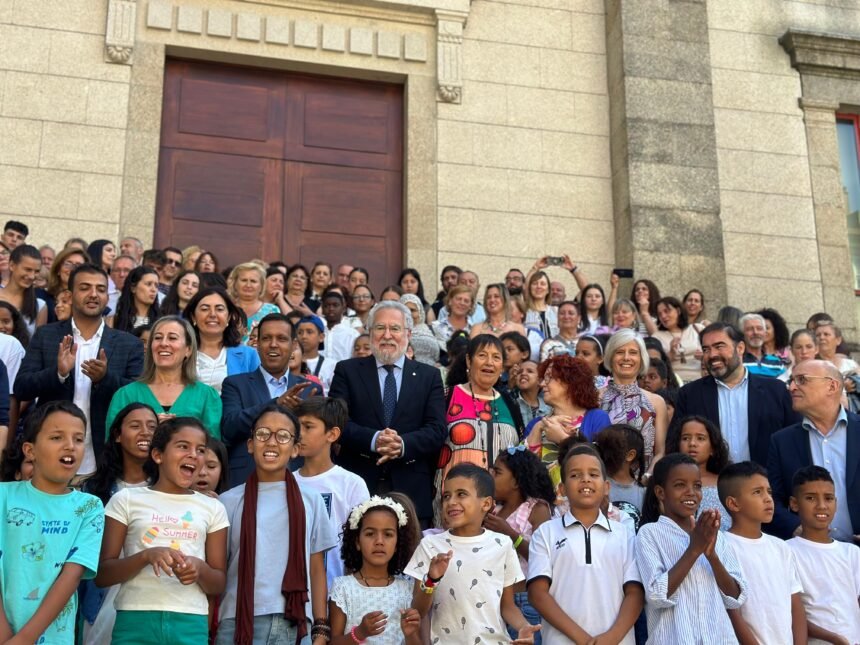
point(521, 598)
point(271, 629)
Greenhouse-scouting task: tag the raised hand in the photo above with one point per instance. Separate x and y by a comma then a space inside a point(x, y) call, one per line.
point(439, 564)
point(66, 356)
point(96, 368)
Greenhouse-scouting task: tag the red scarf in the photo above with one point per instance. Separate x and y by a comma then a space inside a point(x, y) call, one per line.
point(295, 583)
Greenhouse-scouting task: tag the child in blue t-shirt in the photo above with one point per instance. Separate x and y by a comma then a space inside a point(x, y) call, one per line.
point(50, 534)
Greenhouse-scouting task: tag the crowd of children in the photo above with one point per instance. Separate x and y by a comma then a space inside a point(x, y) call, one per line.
point(154, 550)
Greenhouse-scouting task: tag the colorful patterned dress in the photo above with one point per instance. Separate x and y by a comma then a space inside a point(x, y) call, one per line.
point(470, 423)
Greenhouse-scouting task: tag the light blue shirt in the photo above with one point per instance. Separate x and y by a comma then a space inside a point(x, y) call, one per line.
point(830, 451)
point(734, 417)
point(277, 386)
point(382, 373)
point(696, 613)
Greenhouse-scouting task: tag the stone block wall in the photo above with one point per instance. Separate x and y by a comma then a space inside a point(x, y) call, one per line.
point(63, 115)
point(770, 211)
point(524, 161)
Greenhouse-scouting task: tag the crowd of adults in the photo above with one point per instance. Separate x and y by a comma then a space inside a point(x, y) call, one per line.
point(430, 381)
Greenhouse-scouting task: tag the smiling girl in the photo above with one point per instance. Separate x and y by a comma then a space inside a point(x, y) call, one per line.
point(166, 545)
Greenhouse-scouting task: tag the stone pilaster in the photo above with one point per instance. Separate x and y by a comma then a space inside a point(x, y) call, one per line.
point(828, 199)
point(664, 160)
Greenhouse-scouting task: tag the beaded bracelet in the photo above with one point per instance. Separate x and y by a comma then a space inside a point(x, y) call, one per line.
point(354, 635)
point(428, 589)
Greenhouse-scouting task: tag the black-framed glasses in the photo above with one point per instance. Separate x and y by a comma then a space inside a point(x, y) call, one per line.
point(283, 437)
point(803, 379)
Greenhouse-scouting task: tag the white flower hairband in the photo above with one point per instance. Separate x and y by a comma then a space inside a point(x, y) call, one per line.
point(359, 511)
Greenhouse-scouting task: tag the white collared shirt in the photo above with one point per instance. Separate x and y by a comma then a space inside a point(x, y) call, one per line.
point(87, 351)
point(587, 569)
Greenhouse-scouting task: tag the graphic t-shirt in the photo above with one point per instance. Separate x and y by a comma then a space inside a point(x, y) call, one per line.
point(341, 491)
point(467, 601)
point(154, 519)
point(41, 533)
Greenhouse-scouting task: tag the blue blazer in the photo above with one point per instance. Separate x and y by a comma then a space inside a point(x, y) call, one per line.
point(243, 397)
point(37, 376)
point(241, 359)
point(419, 418)
point(768, 409)
point(789, 452)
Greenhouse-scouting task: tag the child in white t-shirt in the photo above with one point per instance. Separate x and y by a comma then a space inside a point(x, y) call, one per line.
point(773, 612)
point(321, 419)
point(467, 573)
point(166, 545)
point(829, 570)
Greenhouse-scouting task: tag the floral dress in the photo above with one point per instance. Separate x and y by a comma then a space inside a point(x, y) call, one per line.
point(629, 404)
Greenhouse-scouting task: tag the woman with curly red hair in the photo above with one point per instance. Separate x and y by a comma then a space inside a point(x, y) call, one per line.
point(568, 386)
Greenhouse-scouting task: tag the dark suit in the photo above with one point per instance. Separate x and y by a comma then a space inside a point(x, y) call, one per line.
point(243, 397)
point(419, 419)
point(768, 409)
point(789, 452)
point(38, 374)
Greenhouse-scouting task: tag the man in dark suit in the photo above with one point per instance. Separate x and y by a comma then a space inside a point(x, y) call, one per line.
point(396, 408)
point(244, 396)
point(81, 360)
point(747, 408)
point(829, 437)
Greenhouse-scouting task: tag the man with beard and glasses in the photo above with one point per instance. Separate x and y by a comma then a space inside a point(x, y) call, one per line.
point(396, 409)
point(747, 407)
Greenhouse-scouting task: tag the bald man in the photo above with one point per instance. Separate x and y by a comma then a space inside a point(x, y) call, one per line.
point(828, 436)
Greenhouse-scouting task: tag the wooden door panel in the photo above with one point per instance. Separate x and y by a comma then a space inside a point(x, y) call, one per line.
point(220, 108)
point(345, 123)
point(355, 213)
point(233, 202)
point(266, 164)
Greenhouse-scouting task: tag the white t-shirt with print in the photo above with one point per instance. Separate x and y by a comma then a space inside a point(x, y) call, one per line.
point(467, 600)
point(155, 519)
point(341, 491)
point(273, 544)
point(770, 569)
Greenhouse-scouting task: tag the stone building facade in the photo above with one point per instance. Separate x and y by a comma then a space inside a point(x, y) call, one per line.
point(693, 140)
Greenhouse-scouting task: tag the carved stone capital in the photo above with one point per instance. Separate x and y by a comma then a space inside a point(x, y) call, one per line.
point(120, 31)
point(449, 55)
point(823, 54)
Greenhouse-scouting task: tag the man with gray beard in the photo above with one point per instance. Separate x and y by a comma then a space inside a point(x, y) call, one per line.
point(396, 409)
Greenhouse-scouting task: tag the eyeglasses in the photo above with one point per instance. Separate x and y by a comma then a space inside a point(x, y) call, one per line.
point(69, 265)
point(361, 298)
point(802, 379)
point(283, 437)
point(392, 329)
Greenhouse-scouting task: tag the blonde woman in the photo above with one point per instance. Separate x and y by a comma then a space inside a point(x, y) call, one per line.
point(247, 284)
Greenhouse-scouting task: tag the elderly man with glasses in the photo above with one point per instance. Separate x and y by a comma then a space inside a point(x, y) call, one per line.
point(396, 409)
point(828, 436)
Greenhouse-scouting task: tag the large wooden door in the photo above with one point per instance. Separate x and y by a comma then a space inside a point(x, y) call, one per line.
point(280, 166)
